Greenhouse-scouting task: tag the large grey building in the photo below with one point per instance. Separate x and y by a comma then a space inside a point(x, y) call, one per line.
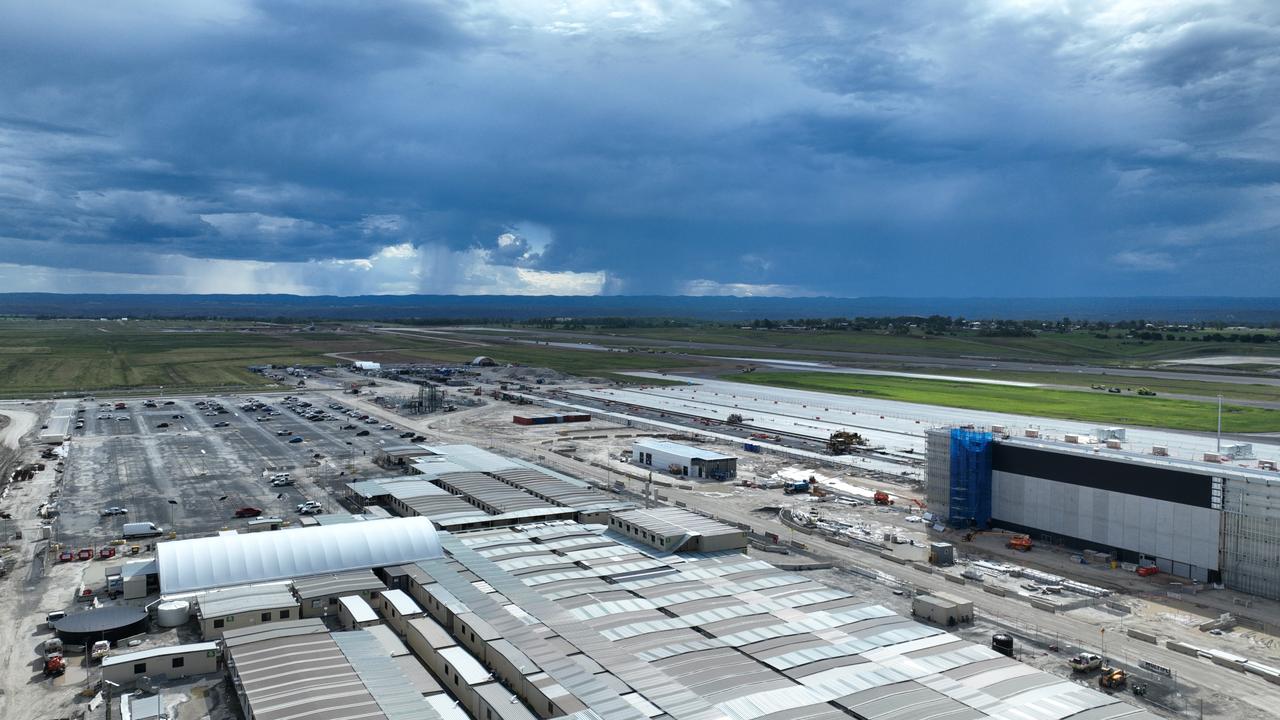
point(1208, 521)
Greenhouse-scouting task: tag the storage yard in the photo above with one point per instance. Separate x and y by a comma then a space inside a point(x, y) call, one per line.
point(539, 495)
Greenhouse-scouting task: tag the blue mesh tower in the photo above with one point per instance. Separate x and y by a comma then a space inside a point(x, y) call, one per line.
point(970, 479)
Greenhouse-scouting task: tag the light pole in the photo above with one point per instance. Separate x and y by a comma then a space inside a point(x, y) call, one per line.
point(1219, 423)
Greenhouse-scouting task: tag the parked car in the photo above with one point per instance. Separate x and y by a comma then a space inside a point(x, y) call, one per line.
point(362, 433)
point(282, 433)
point(388, 426)
point(347, 427)
point(248, 512)
point(224, 423)
point(113, 510)
point(295, 439)
point(163, 425)
point(406, 434)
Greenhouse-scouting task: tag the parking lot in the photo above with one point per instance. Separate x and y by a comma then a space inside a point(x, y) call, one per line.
point(190, 468)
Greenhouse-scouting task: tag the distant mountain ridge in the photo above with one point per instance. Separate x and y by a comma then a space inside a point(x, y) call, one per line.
point(1263, 310)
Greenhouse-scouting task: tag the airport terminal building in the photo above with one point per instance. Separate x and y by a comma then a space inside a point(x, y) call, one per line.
point(1213, 522)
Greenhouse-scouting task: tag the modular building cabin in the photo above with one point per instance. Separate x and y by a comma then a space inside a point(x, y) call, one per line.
point(319, 595)
point(677, 530)
point(942, 609)
point(355, 613)
point(242, 607)
point(397, 607)
point(689, 461)
point(164, 663)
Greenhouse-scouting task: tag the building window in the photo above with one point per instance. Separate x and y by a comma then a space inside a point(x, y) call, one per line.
point(333, 601)
point(284, 614)
point(218, 623)
point(179, 662)
point(266, 617)
point(315, 603)
point(139, 668)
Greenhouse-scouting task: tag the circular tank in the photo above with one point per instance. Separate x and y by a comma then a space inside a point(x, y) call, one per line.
point(173, 613)
point(1002, 643)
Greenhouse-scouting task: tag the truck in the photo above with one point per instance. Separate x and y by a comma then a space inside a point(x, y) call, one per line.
point(1085, 662)
point(141, 530)
point(799, 487)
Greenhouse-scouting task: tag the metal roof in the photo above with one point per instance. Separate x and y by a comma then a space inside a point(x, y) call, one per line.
point(294, 669)
point(675, 522)
point(400, 600)
point(472, 457)
point(685, 451)
point(336, 584)
point(561, 492)
point(158, 652)
point(235, 559)
point(231, 601)
point(382, 677)
point(491, 493)
point(359, 608)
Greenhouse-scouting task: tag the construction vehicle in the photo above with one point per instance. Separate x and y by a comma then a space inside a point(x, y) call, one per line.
point(798, 487)
point(1146, 392)
point(919, 504)
point(1021, 543)
point(843, 442)
point(882, 498)
point(1148, 570)
point(54, 663)
point(1085, 662)
point(1112, 678)
point(54, 666)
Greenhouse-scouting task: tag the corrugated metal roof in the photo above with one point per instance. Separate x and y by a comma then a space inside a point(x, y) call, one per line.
point(335, 584)
point(252, 598)
point(674, 522)
point(391, 689)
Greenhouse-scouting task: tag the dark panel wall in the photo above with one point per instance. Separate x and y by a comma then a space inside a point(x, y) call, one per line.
point(1142, 480)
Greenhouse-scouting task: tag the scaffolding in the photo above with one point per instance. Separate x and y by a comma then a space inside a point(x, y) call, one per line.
point(970, 504)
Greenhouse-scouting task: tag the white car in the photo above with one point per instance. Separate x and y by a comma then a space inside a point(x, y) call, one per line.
point(388, 426)
point(308, 504)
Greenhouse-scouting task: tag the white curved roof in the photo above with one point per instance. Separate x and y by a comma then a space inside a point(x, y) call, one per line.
point(237, 559)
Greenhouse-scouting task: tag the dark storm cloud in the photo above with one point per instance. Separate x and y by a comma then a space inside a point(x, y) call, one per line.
point(859, 148)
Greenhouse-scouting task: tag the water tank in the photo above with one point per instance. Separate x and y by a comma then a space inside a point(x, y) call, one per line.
point(1002, 643)
point(173, 613)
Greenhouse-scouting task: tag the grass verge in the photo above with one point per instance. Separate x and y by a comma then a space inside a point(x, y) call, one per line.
point(1105, 409)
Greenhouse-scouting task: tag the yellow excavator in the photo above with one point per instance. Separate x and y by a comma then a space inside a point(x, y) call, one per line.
point(1113, 678)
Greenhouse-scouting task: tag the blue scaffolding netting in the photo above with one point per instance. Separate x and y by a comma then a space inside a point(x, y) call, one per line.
point(970, 478)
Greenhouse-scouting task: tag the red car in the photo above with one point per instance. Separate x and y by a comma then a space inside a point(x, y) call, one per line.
point(248, 512)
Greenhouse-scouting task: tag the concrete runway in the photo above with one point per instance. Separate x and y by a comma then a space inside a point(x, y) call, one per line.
point(898, 426)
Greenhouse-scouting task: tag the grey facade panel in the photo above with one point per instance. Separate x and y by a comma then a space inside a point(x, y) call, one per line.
point(1157, 528)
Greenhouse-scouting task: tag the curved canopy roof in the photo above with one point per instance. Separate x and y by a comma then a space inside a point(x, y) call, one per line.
point(237, 559)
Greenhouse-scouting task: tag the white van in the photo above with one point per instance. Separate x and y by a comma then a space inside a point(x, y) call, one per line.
point(141, 530)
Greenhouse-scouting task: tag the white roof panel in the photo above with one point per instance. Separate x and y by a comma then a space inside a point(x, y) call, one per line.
point(235, 559)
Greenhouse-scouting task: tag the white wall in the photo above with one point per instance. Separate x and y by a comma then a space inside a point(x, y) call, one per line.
point(1172, 531)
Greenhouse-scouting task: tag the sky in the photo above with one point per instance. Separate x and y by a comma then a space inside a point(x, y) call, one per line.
point(905, 148)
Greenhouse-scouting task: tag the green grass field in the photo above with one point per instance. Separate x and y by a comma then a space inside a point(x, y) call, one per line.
point(1163, 386)
point(1046, 347)
point(1067, 404)
point(44, 357)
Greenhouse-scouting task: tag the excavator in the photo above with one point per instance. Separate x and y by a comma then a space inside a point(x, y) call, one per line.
point(1112, 678)
point(843, 442)
point(882, 498)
